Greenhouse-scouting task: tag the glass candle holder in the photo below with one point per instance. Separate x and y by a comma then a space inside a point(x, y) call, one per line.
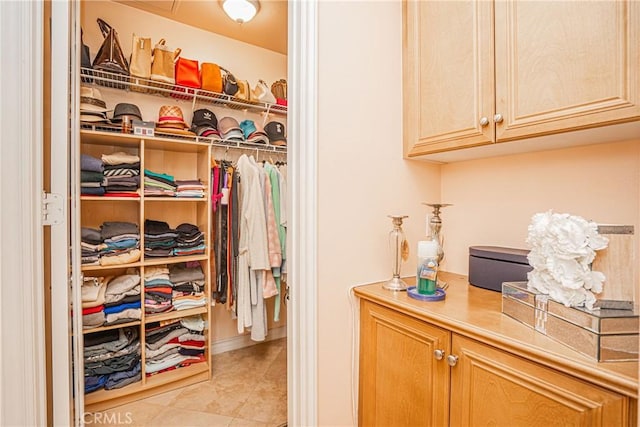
point(398, 252)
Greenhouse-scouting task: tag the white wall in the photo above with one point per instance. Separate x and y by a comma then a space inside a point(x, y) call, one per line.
point(361, 176)
point(494, 199)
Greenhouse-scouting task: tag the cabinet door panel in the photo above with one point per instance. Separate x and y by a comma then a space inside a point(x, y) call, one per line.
point(492, 387)
point(401, 382)
point(448, 80)
point(565, 65)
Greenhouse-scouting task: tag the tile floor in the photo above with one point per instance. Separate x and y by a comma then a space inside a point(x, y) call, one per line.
point(248, 388)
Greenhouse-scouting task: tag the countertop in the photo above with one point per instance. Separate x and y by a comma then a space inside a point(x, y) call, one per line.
point(476, 313)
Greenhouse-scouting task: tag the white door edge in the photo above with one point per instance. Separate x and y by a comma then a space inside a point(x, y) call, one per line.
point(302, 222)
point(22, 348)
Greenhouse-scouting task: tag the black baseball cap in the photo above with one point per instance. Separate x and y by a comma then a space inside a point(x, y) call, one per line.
point(204, 123)
point(276, 133)
point(204, 117)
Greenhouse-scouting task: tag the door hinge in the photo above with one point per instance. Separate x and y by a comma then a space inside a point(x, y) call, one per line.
point(52, 209)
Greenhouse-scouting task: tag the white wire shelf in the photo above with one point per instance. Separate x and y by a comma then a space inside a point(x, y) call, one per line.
point(152, 87)
point(213, 141)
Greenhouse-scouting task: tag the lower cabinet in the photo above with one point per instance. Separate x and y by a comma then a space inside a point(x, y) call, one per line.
point(413, 373)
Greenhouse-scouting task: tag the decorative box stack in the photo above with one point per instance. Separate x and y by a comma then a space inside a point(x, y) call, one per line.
point(569, 300)
point(603, 335)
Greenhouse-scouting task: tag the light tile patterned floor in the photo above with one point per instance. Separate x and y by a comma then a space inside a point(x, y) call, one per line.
point(248, 388)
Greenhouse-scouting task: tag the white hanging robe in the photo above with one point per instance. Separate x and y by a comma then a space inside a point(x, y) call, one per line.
point(253, 257)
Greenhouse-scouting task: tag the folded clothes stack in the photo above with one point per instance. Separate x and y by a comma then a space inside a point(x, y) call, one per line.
point(91, 244)
point(190, 188)
point(173, 345)
point(121, 243)
point(121, 174)
point(159, 239)
point(111, 359)
point(91, 176)
point(122, 299)
point(188, 285)
point(93, 298)
point(111, 300)
point(158, 289)
point(159, 184)
point(190, 240)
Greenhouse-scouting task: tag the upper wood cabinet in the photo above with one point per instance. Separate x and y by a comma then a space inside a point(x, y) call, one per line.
point(480, 72)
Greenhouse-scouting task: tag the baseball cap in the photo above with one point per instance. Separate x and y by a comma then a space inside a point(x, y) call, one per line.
point(204, 123)
point(276, 133)
point(248, 127)
point(227, 124)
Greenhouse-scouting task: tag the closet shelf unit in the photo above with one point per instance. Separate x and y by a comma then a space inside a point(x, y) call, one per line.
point(184, 159)
point(151, 87)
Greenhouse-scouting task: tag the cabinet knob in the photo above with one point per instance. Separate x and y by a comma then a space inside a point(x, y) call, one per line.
point(452, 360)
point(498, 118)
point(484, 121)
point(439, 354)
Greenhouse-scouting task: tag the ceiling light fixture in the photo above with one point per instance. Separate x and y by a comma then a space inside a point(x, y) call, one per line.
point(241, 10)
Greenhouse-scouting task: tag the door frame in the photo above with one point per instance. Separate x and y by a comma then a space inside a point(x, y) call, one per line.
point(21, 32)
point(302, 352)
point(22, 348)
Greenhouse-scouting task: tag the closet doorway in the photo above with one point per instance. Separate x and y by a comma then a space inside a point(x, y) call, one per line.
point(293, 405)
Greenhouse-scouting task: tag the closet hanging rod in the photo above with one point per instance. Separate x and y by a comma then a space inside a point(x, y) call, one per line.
point(214, 142)
point(250, 146)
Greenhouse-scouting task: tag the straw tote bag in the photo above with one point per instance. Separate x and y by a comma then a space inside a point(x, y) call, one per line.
point(140, 57)
point(163, 63)
point(140, 64)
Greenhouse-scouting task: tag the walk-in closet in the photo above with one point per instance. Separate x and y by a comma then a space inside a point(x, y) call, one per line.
point(181, 182)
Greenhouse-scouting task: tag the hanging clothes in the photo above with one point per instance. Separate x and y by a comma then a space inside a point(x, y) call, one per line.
point(249, 240)
point(253, 256)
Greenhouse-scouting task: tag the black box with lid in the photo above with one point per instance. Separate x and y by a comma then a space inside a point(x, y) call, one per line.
point(489, 266)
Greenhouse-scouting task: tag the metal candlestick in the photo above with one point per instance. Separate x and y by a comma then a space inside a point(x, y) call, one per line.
point(399, 251)
point(435, 225)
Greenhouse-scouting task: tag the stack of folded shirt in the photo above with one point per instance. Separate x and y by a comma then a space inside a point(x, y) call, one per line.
point(122, 299)
point(93, 298)
point(111, 359)
point(91, 244)
point(190, 240)
point(190, 188)
point(121, 174)
point(188, 285)
point(121, 243)
point(158, 290)
point(192, 345)
point(159, 239)
point(158, 184)
point(172, 346)
point(123, 311)
point(91, 176)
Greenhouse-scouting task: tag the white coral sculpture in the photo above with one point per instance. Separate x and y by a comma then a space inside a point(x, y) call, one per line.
point(563, 247)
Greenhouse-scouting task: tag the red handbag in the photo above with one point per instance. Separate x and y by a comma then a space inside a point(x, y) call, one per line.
point(187, 73)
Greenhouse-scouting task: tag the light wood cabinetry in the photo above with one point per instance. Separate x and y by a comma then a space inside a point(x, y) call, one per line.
point(402, 384)
point(480, 72)
point(184, 159)
point(493, 387)
point(460, 362)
